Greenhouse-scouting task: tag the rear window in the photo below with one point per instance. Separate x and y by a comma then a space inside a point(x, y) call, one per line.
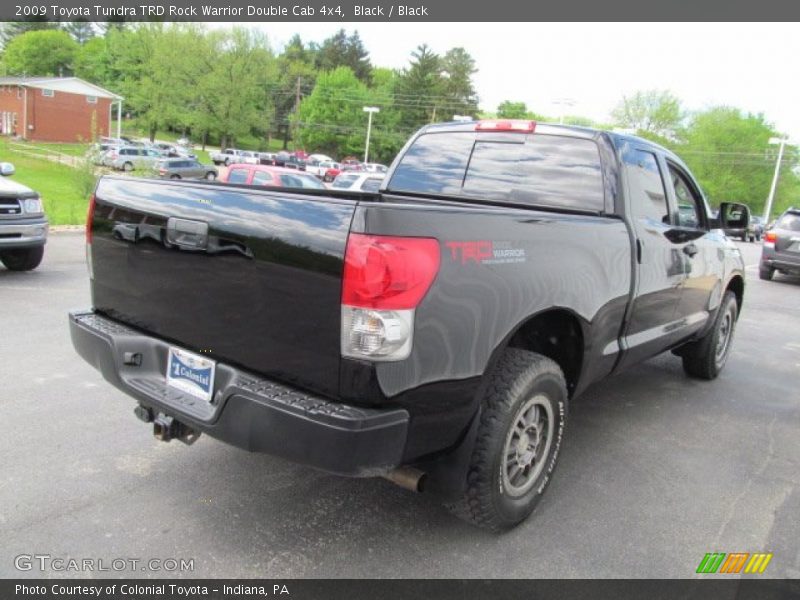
point(790, 221)
point(541, 170)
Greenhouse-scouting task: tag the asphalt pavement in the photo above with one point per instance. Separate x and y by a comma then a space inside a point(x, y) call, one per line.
point(656, 470)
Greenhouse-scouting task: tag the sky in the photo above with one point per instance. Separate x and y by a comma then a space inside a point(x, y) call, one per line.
point(753, 66)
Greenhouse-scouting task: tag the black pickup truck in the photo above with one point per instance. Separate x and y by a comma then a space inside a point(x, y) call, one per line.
point(432, 333)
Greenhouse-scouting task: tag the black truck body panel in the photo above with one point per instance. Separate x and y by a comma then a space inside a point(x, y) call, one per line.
point(263, 295)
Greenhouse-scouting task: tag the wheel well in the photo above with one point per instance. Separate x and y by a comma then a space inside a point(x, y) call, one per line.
point(556, 334)
point(736, 285)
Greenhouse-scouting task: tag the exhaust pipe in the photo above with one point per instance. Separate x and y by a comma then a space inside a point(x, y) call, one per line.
point(408, 478)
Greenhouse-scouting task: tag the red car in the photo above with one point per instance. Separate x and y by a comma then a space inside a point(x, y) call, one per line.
point(271, 176)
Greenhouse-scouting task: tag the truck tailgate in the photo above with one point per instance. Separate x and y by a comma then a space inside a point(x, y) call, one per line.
point(260, 288)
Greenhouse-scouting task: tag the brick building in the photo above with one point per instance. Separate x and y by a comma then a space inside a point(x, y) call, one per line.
point(56, 109)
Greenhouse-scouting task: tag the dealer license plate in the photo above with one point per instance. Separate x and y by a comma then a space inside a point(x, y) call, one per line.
point(191, 373)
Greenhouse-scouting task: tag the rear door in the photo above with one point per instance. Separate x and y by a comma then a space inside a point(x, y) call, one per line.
point(659, 260)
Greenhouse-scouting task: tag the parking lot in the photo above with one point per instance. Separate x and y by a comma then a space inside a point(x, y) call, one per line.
point(656, 471)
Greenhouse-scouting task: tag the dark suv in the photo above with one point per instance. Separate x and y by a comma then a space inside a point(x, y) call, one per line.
point(781, 250)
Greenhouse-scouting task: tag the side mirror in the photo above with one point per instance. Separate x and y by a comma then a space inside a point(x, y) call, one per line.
point(733, 215)
point(6, 169)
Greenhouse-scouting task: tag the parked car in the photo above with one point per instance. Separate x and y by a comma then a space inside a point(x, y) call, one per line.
point(320, 158)
point(266, 158)
point(436, 339)
point(328, 171)
point(270, 176)
point(755, 229)
point(129, 158)
point(97, 152)
point(781, 249)
point(227, 156)
point(375, 168)
point(185, 168)
point(172, 150)
point(358, 182)
point(23, 225)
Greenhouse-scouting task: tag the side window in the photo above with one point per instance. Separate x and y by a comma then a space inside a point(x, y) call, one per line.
point(689, 202)
point(238, 176)
point(262, 178)
point(648, 195)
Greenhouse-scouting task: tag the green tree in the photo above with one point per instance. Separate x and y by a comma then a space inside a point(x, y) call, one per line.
point(11, 29)
point(729, 152)
point(512, 110)
point(653, 112)
point(458, 90)
point(236, 67)
point(341, 50)
point(42, 52)
point(93, 62)
point(331, 119)
point(419, 87)
point(295, 74)
point(81, 31)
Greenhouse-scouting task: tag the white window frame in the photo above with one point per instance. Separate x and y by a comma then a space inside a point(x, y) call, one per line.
point(91, 99)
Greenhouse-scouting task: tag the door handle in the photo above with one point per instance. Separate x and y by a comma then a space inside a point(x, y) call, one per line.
point(690, 250)
point(187, 234)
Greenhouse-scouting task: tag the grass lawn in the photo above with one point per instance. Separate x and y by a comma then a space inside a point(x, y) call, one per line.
point(60, 186)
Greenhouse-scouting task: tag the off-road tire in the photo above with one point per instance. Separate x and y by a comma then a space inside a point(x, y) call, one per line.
point(518, 378)
point(23, 259)
point(702, 359)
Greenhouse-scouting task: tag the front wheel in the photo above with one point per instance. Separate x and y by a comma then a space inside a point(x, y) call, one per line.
point(706, 357)
point(127, 167)
point(25, 259)
point(522, 421)
point(211, 176)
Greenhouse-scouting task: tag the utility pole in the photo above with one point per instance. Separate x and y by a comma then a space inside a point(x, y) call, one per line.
point(774, 186)
point(296, 110)
point(369, 110)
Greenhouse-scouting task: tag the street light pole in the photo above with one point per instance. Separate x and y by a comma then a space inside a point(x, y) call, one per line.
point(369, 110)
point(773, 187)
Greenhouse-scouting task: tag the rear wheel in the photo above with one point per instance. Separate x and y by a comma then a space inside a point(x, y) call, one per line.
point(25, 259)
point(522, 421)
point(174, 176)
point(766, 273)
point(706, 357)
point(127, 166)
point(211, 176)
point(227, 162)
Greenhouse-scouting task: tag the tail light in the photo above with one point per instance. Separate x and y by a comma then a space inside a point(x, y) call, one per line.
point(770, 237)
point(89, 226)
point(385, 279)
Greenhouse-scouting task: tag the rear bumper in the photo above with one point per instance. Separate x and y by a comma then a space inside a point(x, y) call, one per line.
point(23, 233)
point(247, 411)
point(783, 261)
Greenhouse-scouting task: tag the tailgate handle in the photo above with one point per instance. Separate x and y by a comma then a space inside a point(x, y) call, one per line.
point(188, 234)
